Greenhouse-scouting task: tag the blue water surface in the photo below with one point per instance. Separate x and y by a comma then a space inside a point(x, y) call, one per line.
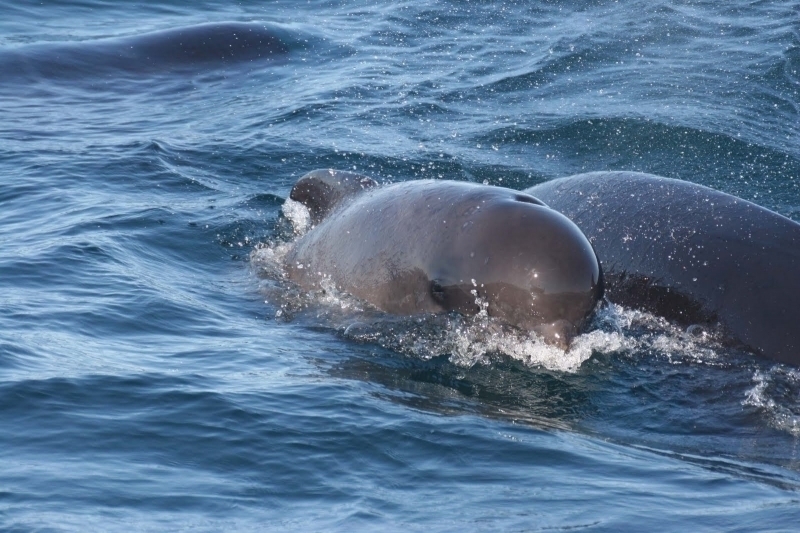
point(146, 384)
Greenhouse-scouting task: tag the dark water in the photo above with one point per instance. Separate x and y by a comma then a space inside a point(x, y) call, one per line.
point(146, 385)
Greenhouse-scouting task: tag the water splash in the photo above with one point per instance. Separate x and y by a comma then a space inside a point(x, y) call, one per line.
point(298, 214)
point(776, 394)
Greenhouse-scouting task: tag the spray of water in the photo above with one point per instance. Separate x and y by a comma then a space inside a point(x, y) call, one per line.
point(775, 394)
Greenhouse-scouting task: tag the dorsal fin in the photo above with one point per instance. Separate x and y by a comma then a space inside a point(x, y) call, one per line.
point(322, 190)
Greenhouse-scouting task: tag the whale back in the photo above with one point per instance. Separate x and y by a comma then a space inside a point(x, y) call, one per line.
point(196, 48)
point(322, 191)
point(691, 254)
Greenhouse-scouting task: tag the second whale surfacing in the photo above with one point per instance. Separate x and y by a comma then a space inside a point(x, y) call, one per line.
point(691, 254)
point(437, 246)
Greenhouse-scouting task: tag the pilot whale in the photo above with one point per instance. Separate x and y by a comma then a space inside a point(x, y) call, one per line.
point(196, 48)
point(691, 254)
point(440, 246)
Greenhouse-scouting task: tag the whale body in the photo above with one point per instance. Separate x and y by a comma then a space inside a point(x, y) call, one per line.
point(691, 254)
point(188, 48)
point(438, 246)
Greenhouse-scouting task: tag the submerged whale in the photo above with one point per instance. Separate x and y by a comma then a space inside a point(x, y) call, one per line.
point(203, 46)
point(438, 246)
point(691, 254)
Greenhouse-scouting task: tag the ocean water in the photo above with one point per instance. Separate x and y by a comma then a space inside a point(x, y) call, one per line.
point(153, 378)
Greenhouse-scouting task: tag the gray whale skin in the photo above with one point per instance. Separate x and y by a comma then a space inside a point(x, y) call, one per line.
point(691, 254)
point(439, 246)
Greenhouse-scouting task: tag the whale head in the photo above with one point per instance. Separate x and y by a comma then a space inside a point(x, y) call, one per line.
point(524, 263)
point(431, 246)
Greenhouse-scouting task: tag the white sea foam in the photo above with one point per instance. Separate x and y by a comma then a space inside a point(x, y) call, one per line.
point(298, 214)
point(769, 395)
point(267, 260)
point(642, 331)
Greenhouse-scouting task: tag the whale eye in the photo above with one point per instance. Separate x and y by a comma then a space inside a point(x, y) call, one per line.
point(437, 291)
point(454, 298)
point(528, 200)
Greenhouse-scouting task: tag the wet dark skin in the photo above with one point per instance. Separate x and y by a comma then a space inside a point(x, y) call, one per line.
point(691, 254)
point(440, 246)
